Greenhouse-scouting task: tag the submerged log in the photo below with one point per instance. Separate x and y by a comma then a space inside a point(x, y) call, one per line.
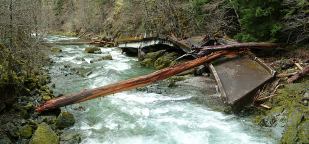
point(128, 84)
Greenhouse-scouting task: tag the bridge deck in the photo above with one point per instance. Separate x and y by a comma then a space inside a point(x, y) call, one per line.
point(239, 78)
point(147, 42)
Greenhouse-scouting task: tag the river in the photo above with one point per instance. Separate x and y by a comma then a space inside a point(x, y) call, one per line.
point(140, 117)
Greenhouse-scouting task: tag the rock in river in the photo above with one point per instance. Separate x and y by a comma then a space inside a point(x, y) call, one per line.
point(44, 135)
point(64, 120)
point(56, 50)
point(105, 57)
point(93, 50)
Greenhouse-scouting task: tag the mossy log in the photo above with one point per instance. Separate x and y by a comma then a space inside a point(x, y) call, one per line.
point(128, 84)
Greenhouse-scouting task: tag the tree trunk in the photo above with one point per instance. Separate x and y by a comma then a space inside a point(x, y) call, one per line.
point(299, 75)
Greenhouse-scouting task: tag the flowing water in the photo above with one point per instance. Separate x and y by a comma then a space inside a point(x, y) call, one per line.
point(141, 117)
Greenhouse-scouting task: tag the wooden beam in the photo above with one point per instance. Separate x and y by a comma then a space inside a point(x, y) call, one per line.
point(235, 46)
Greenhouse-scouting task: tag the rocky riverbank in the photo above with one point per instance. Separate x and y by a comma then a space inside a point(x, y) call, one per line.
point(19, 123)
point(288, 103)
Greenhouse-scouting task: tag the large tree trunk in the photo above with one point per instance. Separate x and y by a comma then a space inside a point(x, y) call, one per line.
point(128, 84)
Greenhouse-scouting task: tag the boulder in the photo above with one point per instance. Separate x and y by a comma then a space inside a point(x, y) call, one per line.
point(70, 138)
point(165, 60)
point(291, 129)
point(56, 50)
point(29, 106)
point(82, 71)
point(93, 50)
point(25, 131)
point(46, 97)
point(44, 135)
point(151, 57)
point(65, 120)
point(105, 57)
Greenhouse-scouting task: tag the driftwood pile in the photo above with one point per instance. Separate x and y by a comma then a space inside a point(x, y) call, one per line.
point(206, 54)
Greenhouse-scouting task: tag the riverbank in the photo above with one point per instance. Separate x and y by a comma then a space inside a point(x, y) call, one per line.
point(19, 123)
point(288, 113)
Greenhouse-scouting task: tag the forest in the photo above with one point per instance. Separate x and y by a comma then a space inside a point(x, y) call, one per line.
point(33, 70)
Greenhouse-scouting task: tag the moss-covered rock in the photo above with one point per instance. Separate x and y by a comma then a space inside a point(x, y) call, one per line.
point(172, 80)
point(151, 57)
point(82, 71)
point(29, 106)
point(48, 119)
point(92, 50)
point(155, 55)
point(25, 131)
point(44, 135)
point(105, 57)
point(46, 97)
point(56, 50)
point(288, 113)
point(165, 60)
point(147, 62)
point(65, 120)
point(303, 132)
point(291, 129)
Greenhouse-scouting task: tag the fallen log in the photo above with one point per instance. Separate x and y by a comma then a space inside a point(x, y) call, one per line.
point(299, 75)
point(235, 46)
point(128, 84)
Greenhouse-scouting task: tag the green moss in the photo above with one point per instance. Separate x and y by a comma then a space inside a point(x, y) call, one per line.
point(303, 132)
point(172, 80)
point(165, 61)
point(151, 57)
point(92, 50)
point(288, 111)
point(291, 128)
point(56, 50)
point(44, 135)
point(29, 106)
point(46, 97)
point(65, 120)
point(25, 131)
point(154, 55)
